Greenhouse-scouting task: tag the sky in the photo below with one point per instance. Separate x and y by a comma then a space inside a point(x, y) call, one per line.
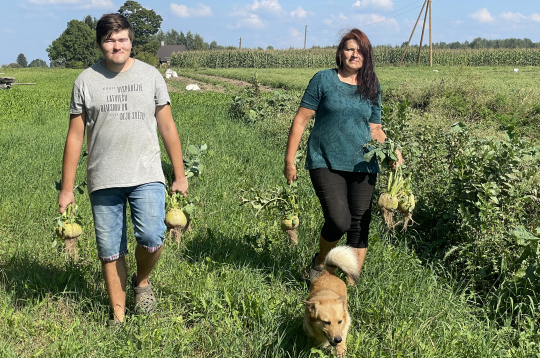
point(30, 26)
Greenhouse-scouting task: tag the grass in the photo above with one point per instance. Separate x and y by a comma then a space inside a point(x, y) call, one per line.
point(488, 98)
point(500, 78)
point(234, 287)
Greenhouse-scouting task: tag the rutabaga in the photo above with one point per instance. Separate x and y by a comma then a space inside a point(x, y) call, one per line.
point(398, 198)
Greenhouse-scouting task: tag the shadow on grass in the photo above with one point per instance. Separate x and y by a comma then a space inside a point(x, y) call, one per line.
point(31, 281)
point(276, 258)
point(291, 341)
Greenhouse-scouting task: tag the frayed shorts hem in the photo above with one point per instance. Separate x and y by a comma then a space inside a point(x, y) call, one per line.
point(113, 257)
point(151, 249)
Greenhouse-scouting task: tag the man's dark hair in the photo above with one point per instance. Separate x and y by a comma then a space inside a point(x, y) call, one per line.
point(110, 24)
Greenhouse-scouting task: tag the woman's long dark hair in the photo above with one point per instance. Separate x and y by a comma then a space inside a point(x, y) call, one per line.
point(366, 77)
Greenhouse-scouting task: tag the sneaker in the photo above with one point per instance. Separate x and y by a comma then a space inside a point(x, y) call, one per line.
point(316, 270)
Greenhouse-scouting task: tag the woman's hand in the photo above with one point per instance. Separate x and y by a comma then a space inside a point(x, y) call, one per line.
point(393, 163)
point(300, 121)
point(290, 172)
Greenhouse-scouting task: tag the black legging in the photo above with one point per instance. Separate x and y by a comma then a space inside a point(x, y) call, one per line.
point(346, 203)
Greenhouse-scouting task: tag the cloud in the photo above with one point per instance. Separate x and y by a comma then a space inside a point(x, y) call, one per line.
point(335, 19)
point(299, 13)
point(512, 16)
point(251, 21)
point(56, 2)
point(535, 17)
point(294, 33)
point(83, 4)
point(185, 12)
point(266, 5)
point(9, 31)
point(375, 20)
point(482, 15)
point(381, 4)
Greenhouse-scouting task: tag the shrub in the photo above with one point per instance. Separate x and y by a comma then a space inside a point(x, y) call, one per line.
point(472, 194)
point(148, 57)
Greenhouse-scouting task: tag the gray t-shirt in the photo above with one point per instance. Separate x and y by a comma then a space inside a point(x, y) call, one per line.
point(123, 146)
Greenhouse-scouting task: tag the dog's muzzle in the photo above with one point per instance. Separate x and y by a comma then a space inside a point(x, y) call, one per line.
point(335, 341)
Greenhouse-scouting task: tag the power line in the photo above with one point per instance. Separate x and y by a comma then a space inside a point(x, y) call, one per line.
point(323, 30)
point(320, 30)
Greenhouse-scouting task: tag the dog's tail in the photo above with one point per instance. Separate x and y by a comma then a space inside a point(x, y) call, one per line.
point(344, 258)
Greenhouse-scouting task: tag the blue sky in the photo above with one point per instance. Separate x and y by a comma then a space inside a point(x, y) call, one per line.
point(29, 26)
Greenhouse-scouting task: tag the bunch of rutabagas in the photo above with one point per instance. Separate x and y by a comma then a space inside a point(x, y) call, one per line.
point(398, 198)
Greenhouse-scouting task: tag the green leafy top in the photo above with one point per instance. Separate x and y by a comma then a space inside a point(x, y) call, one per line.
point(178, 201)
point(192, 160)
point(284, 198)
point(69, 216)
point(384, 152)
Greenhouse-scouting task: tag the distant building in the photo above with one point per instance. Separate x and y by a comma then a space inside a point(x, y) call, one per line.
point(165, 52)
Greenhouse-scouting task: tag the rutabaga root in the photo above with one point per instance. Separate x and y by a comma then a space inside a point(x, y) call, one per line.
point(177, 232)
point(71, 248)
point(406, 219)
point(293, 236)
point(388, 216)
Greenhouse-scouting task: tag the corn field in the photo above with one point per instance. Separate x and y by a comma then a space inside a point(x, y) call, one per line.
point(321, 58)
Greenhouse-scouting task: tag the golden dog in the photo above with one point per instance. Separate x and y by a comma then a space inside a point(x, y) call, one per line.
point(327, 320)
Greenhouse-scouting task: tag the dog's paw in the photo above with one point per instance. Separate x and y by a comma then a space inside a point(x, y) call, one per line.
point(341, 351)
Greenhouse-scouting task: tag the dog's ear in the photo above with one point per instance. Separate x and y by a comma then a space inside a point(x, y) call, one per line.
point(342, 300)
point(311, 305)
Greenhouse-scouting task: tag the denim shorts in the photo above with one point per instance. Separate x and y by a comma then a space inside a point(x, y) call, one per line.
point(147, 205)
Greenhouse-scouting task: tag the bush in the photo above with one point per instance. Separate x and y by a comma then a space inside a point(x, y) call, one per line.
point(38, 63)
point(148, 57)
point(472, 195)
point(75, 64)
point(252, 106)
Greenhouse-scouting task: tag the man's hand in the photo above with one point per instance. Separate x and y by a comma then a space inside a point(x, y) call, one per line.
point(64, 199)
point(180, 185)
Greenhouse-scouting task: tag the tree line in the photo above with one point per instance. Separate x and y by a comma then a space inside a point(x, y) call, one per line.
point(193, 42)
point(76, 47)
point(477, 43)
point(483, 43)
point(23, 62)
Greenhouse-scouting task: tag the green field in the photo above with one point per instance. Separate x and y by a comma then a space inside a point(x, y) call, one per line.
point(492, 78)
point(234, 287)
point(382, 56)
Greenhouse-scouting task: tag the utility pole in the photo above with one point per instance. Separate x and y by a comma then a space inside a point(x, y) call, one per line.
point(430, 38)
point(240, 46)
point(428, 8)
point(305, 37)
point(423, 29)
point(412, 33)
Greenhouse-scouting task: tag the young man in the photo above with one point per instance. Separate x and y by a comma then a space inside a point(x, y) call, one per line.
point(122, 102)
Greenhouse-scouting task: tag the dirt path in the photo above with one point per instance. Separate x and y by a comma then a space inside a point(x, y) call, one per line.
point(235, 82)
point(181, 83)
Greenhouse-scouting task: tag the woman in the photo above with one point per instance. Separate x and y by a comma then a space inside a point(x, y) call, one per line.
point(347, 102)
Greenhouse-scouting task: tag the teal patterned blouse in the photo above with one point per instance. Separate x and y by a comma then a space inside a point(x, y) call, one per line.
point(341, 124)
